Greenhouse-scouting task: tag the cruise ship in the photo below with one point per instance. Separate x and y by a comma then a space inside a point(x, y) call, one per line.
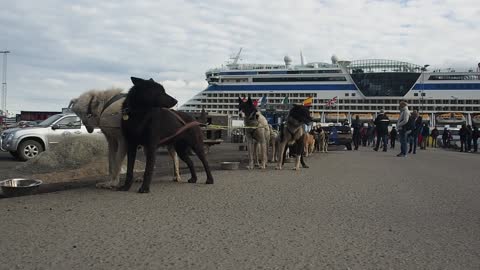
point(343, 89)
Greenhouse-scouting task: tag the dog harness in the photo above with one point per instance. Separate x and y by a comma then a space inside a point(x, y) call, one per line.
point(107, 104)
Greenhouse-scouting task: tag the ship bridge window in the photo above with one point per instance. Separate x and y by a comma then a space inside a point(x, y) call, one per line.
point(385, 84)
point(300, 79)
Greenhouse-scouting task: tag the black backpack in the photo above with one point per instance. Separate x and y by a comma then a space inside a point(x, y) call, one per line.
point(411, 123)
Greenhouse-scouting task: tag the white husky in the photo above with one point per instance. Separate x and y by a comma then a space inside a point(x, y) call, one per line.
point(102, 109)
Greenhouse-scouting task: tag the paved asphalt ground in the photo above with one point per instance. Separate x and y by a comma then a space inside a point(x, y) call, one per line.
point(350, 210)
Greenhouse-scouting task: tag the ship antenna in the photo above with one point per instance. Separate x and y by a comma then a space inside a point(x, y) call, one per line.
point(302, 59)
point(237, 57)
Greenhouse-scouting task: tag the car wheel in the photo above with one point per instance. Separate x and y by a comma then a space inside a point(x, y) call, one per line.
point(14, 154)
point(29, 149)
point(349, 146)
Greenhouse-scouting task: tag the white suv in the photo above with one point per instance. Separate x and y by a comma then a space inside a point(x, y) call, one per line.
point(27, 143)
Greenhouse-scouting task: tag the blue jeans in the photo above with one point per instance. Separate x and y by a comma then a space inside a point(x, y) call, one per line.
point(403, 141)
point(413, 140)
point(383, 138)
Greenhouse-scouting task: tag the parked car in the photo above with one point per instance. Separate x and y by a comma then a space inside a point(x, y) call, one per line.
point(26, 143)
point(338, 134)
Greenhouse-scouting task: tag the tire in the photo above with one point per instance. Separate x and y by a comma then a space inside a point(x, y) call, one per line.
point(29, 149)
point(349, 146)
point(14, 154)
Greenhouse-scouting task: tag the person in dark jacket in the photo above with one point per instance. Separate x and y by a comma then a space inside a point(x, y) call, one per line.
point(413, 136)
point(425, 134)
point(434, 136)
point(393, 137)
point(381, 125)
point(463, 138)
point(446, 138)
point(356, 125)
point(475, 135)
point(468, 139)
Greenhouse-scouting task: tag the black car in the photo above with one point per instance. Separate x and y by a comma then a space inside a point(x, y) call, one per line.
point(338, 134)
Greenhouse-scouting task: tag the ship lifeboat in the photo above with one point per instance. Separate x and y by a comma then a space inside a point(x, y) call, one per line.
point(364, 117)
point(425, 117)
point(393, 117)
point(332, 117)
point(450, 118)
point(476, 119)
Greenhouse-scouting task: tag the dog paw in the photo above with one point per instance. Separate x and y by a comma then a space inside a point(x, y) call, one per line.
point(105, 185)
point(192, 180)
point(296, 168)
point(123, 188)
point(177, 179)
point(250, 167)
point(209, 182)
point(143, 190)
point(278, 168)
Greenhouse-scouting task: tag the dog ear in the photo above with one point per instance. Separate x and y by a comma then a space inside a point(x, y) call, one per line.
point(72, 102)
point(240, 101)
point(249, 101)
point(151, 80)
point(137, 81)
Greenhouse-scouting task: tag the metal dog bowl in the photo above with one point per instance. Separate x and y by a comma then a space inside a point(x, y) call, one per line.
point(229, 165)
point(20, 186)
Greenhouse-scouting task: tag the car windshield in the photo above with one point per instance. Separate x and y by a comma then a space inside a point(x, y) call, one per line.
point(47, 122)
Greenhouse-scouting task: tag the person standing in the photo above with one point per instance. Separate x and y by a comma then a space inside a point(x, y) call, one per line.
point(463, 138)
point(370, 134)
point(415, 122)
point(393, 137)
point(475, 135)
point(401, 126)
point(445, 137)
point(434, 136)
point(356, 125)
point(468, 139)
point(425, 134)
point(363, 134)
point(381, 126)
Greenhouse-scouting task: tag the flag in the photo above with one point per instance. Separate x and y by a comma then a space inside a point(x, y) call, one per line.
point(263, 101)
point(331, 102)
point(308, 102)
point(285, 101)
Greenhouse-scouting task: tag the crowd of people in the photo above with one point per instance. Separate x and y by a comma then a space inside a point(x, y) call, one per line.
point(410, 131)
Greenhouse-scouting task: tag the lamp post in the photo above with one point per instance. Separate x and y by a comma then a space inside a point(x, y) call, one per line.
point(4, 83)
point(424, 68)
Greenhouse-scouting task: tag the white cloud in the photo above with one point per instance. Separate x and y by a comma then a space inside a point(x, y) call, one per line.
point(60, 49)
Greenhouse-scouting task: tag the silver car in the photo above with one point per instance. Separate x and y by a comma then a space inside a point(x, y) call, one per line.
point(27, 143)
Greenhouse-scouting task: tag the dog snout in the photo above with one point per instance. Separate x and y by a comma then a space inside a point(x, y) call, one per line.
point(89, 129)
point(172, 102)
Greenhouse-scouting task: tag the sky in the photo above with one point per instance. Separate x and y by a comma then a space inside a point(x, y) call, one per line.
point(61, 48)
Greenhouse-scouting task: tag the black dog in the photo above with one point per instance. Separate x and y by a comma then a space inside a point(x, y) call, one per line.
point(147, 121)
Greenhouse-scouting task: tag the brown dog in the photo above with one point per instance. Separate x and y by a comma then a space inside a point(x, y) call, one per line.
point(309, 144)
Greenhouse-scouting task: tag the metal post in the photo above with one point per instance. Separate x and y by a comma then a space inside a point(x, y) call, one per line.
point(423, 87)
point(4, 83)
